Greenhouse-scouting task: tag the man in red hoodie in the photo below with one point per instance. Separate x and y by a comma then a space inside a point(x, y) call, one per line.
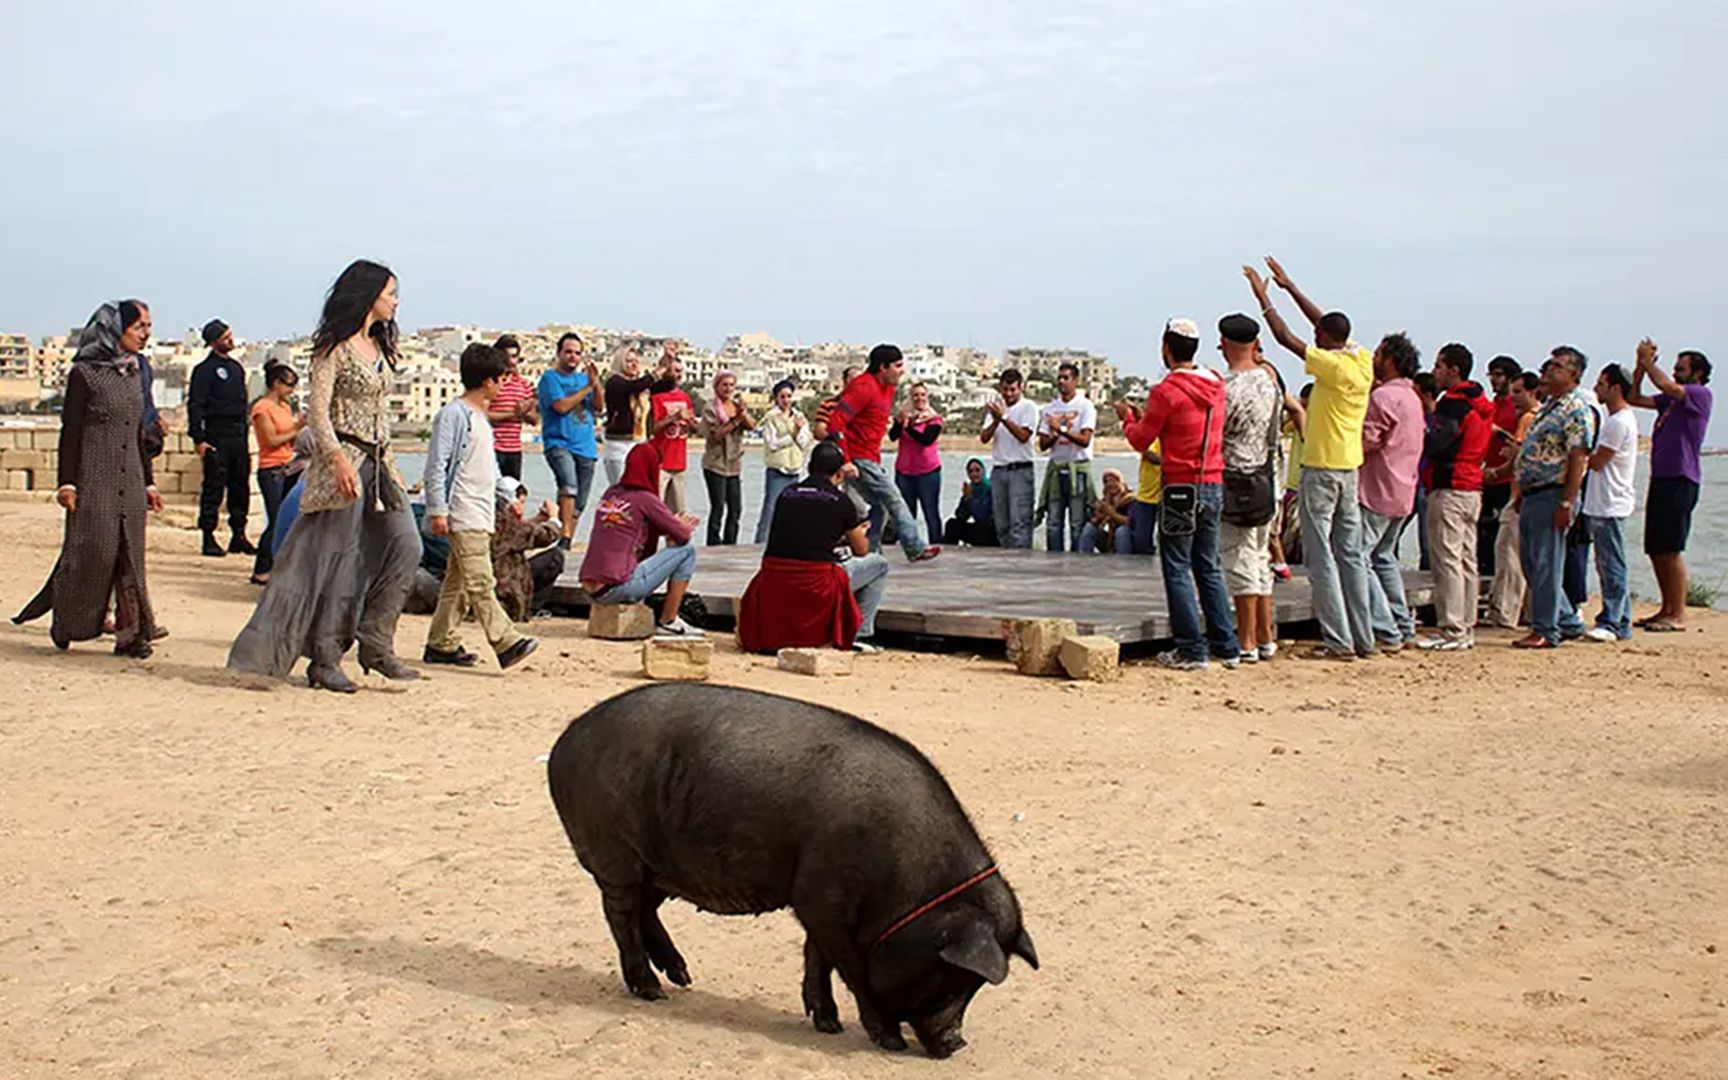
point(1185, 412)
point(1455, 446)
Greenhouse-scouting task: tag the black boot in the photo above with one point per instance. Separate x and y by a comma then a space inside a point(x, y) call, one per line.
point(239, 545)
point(211, 547)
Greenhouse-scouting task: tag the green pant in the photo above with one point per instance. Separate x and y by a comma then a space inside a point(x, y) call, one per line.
point(469, 588)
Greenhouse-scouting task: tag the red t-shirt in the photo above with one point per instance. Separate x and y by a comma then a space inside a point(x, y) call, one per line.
point(672, 443)
point(1505, 416)
point(513, 390)
point(861, 417)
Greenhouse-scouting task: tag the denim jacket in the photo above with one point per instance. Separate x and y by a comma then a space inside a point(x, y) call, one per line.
point(450, 433)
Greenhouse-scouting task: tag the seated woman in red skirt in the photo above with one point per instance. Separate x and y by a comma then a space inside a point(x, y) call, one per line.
point(804, 596)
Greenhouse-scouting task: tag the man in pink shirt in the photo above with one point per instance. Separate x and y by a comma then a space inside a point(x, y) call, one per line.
point(1391, 455)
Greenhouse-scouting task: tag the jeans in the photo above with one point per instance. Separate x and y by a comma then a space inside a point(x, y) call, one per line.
point(869, 577)
point(1143, 528)
point(1423, 560)
point(879, 491)
point(1337, 565)
point(773, 483)
point(1542, 548)
point(1121, 540)
point(1190, 561)
point(923, 495)
point(573, 473)
point(272, 484)
point(725, 507)
point(509, 463)
point(1575, 579)
point(1013, 486)
point(677, 563)
point(1388, 611)
point(1070, 506)
point(1495, 497)
point(1609, 536)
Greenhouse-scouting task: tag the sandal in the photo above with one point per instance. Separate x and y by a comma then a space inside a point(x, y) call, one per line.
point(1662, 626)
point(1534, 641)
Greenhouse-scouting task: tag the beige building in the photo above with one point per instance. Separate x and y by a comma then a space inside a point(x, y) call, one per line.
point(1040, 365)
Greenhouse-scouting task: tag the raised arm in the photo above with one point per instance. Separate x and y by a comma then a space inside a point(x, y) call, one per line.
point(1646, 364)
point(1275, 322)
point(1310, 310)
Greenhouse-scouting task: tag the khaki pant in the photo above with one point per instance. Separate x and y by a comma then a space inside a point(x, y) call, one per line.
point(469, 588)
point(1452, 557)
point(1506, 598)
point(674, 497)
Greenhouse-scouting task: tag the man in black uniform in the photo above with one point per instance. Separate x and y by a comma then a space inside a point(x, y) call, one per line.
point(216, 418)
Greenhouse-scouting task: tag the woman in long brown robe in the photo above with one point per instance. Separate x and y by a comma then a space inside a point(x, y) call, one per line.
point(107, 485)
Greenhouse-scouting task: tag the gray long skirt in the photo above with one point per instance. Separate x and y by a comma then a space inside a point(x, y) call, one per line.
point(341, 575)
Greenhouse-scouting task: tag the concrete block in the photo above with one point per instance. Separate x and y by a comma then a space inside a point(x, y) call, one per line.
point(168, 483)
point(9, 438)
point(1034, 645)
point(43, 439)
point(815, 661)
point(1092, 658)
point(677, 658)
point(620, 622)
point(183, 463)
point(23, 459)
point(18, 480)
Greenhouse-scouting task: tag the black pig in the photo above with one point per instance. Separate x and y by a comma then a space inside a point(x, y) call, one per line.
point(742, 802)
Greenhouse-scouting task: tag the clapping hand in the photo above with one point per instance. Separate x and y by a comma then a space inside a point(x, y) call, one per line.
point(1256, 282)
point(1647, 353)
point(1124, 411)
point(994, 407)
point(547, 510)
point(1279, 277)
point(690, 520)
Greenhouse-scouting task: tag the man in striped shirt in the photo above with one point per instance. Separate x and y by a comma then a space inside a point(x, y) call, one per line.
point(514, 405)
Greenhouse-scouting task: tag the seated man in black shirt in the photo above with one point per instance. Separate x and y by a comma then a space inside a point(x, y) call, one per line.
point(805, 596)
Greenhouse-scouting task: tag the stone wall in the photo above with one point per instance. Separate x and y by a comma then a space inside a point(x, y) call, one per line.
point(30, 461)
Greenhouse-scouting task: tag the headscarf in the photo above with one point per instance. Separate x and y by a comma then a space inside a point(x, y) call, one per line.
point(642, 469)
point(783, 384)
point(723, 373)
point(984, 484)
point(99, 341)
point(1117, 473)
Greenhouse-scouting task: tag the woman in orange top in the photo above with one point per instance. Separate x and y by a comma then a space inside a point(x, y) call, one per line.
point(276, 426)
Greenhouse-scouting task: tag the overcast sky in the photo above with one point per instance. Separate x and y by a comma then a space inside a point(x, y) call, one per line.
point(1509, 174)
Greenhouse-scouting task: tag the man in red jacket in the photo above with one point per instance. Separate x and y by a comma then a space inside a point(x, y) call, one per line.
point(1455, 446)
point(1185, 412)
point(860, 419)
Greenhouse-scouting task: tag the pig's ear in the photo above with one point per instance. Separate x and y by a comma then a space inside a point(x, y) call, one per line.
point(975, 950)
point(1023, 948)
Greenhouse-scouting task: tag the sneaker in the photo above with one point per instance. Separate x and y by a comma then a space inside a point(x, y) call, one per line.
point(1268, 651)
point(1321, 652)
point(1453, 645)
point(1390, 648)
point(1230, 663)
point(1248, 656)
point(677, 628)
point(1600, 633)
point(1176, 662)
point(864, 647)
point(927, 554)
point(517, 653)
point(1281, 571)
point(563, 543)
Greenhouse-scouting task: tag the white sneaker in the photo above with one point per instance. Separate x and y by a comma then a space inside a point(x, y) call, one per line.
point(1600, 633)
point(676, 628)
point(1249, 656)
point(865, 648)
point(1453, 645)
point(1232, 663)
point(1269, 650)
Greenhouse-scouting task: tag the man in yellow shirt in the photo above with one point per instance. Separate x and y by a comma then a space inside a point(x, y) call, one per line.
point(1332, 547)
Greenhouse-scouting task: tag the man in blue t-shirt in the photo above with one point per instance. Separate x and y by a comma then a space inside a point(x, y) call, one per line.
point(567, 409)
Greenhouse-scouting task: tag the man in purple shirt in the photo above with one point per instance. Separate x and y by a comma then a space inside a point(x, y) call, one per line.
point(1392, 438)
point(1682, 416)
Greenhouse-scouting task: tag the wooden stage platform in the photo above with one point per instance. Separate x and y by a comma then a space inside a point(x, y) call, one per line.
point(968, 592)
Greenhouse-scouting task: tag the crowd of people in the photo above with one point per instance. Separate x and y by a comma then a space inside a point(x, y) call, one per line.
point(1236, 474)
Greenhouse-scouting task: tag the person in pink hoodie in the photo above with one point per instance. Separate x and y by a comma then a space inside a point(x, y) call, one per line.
point(1185, 413)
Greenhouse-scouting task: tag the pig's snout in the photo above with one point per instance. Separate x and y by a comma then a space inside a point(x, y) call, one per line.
point(944, 1043)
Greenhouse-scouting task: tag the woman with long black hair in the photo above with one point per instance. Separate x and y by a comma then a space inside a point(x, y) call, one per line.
point(346, 566)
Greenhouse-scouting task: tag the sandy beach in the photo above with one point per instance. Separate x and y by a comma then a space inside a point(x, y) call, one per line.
point(1474, 865)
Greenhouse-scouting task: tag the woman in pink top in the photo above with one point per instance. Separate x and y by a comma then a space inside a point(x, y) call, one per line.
point(621, 566)
point(918, 464)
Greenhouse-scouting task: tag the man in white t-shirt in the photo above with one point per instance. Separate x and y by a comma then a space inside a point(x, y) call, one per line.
point(1609, 500)
point(461, 484)
point(1008, 429)
point(1065, 429)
